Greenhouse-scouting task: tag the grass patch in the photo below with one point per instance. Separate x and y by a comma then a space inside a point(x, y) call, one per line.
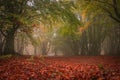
point(5, 56)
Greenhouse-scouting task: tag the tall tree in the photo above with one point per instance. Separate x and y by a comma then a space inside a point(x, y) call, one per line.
point(110, 9)
point(23, 14)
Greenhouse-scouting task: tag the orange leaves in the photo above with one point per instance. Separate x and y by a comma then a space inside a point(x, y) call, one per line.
point(59, 68)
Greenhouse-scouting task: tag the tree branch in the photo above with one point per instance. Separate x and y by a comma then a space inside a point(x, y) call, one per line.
point(116, 8)
point(110, 14)
point(2, 33)
point(105, 2)
point(114, 18)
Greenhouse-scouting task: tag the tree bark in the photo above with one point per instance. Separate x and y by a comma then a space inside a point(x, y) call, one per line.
point(9, 43)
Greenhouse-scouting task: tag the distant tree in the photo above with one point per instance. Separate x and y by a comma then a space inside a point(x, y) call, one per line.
point(67, 40)
point(101, 27)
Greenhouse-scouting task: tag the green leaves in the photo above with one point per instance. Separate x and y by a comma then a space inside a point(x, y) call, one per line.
point(22, 14)
point(53, 10)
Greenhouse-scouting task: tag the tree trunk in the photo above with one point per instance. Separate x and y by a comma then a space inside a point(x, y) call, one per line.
point(9, 44)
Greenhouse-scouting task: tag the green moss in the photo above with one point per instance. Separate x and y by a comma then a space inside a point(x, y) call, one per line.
point(5, 56)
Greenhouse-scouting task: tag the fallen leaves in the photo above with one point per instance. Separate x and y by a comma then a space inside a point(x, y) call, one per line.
point(60, 68)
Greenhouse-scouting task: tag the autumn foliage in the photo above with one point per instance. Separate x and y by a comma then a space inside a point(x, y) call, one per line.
point(60, 68)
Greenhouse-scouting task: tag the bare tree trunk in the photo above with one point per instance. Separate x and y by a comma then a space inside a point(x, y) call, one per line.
point(2, 41)
point(9, 43)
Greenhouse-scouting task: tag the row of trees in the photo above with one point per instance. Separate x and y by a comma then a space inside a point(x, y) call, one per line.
point(74, 27)
point(100, 33)
point(21, 16)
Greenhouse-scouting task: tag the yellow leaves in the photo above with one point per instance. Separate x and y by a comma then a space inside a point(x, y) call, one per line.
point(81, 29)
point(87, 24)
point(85, 27)
point(90, 10)
point(84, 12)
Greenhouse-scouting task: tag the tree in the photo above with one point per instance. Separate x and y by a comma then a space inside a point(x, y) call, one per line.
point(23, 14)
point(112, 7)
point(95, 9)
point(66, 40)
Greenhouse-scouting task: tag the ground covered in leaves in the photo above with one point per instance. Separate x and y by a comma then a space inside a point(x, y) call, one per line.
point(60, 68)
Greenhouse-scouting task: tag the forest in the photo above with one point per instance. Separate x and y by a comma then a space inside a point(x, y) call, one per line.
point(59, 39)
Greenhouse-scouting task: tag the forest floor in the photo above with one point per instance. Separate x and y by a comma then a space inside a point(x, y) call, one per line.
point(60, 68)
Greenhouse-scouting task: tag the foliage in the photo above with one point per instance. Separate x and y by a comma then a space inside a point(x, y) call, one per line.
point(24, 15)
point(98, 17)
point(80, 26)
point(109, 8)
